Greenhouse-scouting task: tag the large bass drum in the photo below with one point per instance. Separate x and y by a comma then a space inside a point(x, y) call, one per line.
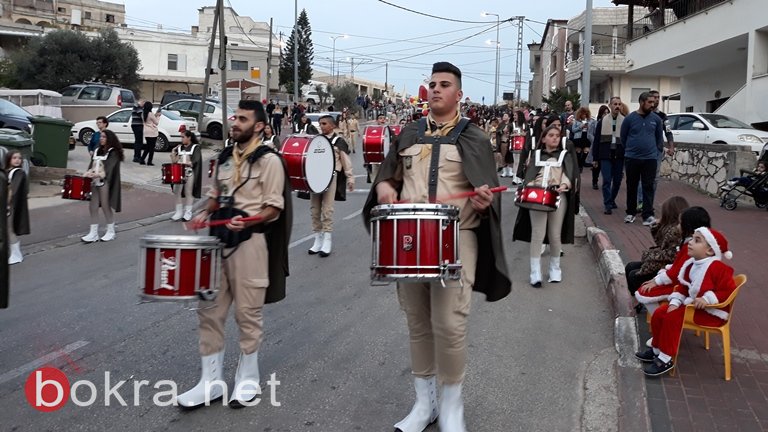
point(376, 140)
point(310, 161)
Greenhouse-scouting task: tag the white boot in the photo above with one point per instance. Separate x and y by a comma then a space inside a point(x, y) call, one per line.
point(510, 173)
point(451, 418)
point(536, 272)
point(325, 250)
point(179, 212)
point(503, 172)
point(424, 411)
point(317, 244)
point(93, 234)
point(110, 234)
point(211, 379)
point(187, 213)
point(555, 273)
point(15, 256)
point(246, 381)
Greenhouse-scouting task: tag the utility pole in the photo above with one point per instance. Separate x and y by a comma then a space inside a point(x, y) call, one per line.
point(222, 70)
point(269, 59)
point(386, 79)
point(498, 46)
point(209, 68)
point(586, 76)
point(519, 60)
point(296, 51)
point(352, 67)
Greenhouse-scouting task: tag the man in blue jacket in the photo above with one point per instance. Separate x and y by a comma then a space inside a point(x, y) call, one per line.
point(101, 124)
point(642, 133)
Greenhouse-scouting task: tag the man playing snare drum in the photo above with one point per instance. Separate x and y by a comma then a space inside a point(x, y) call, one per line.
point(432, 160)
point(250, 180)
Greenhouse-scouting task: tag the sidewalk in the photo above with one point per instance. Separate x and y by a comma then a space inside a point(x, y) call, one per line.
point(698, 397)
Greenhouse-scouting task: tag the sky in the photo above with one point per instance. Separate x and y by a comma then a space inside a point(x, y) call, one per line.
point(381, 33)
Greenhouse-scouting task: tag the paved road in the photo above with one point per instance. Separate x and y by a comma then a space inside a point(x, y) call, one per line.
point(540, 360)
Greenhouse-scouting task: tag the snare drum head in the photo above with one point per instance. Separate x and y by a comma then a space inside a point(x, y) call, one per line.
point(319, 164)
point(386, 140)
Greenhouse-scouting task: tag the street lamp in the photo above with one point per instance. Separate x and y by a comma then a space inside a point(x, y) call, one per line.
point(333, 62)
point(496, 80)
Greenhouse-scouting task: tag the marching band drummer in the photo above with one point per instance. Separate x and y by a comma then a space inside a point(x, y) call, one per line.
point(188, 154)
point(250, 180)
point(270, 138)
point(439, 156)
point(532, 225)
point(305, 127)
point(353, 130)
point(18, 210)
point(321, 205)
point(104, 170)
point(373, 168)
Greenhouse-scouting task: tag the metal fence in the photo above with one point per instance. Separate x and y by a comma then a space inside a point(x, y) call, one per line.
point(674, 10)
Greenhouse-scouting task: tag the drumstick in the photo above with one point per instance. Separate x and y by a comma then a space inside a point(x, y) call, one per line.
point(460, 195)
point(190, 225)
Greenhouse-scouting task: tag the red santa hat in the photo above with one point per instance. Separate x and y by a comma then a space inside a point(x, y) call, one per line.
point(717, 242)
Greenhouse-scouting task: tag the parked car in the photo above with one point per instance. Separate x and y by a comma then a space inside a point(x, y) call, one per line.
point(13, 116)
point(705, 128)
point(170, 128)
point(172, 96)
point(97, 94)
point(315, 117)
point(212, 117)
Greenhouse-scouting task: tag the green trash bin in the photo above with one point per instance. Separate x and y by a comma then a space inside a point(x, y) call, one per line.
point(14, 139)
point(51, 137)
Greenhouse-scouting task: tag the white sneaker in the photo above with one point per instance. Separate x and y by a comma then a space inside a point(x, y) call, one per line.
point(629, 219)
point(179, 213)
point(650, 220)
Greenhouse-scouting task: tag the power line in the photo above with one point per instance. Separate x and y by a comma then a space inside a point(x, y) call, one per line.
point(431, 16)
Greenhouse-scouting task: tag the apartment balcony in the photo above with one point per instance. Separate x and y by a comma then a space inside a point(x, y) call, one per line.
point(602, 64)
point(668, 13)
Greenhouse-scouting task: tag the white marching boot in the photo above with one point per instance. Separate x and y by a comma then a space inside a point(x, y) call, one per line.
point(317, 244)
point(211, 379)
point(451, 418)
point(179, 213)
point(536, 272)
point(424, 411)
point(503, 172)
point(93, 234)
point(246, 381)
point(15, 253)
point(325, 250)
point(555, 273)
point(187, 213)
point(110, 234)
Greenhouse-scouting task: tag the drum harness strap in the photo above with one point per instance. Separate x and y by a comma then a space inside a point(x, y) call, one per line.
point(436, 141)
point(548, 164)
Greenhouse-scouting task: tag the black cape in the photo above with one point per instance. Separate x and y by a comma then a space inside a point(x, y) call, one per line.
point(522, 229)
point(112, 170)
point(197, 167)
point(341, 176)
point(4, 273)
point(277, 233)
point(491, 276)
point(19, 190)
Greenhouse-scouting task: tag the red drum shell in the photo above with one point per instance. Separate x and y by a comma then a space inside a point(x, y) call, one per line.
point(538, 198)
point(376, 141)
point(172, 173)
point(518, 142)
point(76, 188)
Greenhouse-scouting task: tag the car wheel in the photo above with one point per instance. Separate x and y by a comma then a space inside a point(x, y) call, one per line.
point(214, 131)
point(162, 143)
point(85, 135)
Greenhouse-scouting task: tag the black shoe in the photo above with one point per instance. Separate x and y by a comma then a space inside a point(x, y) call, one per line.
point(614, 206)
point(150, 164)
point(658, 368)
point(537, 284)
point(141, 162)
point(646, 356)
point(639, 308)
point(608, 211)
point(594, 186)
point(137, 160)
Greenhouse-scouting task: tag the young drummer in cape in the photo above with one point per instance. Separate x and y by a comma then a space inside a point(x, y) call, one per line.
point(188, 154)
point(104, 170)
point(18, 212)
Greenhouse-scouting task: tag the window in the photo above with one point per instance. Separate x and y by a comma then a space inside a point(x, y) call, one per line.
point(685, 123)
point(110, 18)
point(636, 92)
point(62, 10)
point(173, 62)
point(209, 108)
point(179, 106)
point(123, 116)
point(70, 91)
point(241, 65)
point(95, 93)
point(127, 97)
point(87, 15)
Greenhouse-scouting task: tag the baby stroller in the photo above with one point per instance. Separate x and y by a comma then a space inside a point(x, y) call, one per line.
point(757, 190)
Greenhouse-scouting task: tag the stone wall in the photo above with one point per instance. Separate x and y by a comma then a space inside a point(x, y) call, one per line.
point(707, 166)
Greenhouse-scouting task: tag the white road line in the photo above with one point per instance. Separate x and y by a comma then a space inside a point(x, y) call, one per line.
point(300, 241)
point(353, 215)
point(46, 359)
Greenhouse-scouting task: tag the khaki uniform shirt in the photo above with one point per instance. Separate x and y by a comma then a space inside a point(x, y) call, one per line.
point(353, 126)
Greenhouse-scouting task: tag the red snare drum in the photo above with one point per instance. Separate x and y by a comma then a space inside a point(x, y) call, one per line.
point(415, 242)
point(173, 173)
point(211, 167)
point(395, 130)
point(76, 188)
point(518, 142)
point(178, 267)
point(537, 198)
point(310, 161)
point(375, 144)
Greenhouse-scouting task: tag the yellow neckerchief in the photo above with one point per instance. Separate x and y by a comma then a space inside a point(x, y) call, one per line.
point(239, 156)
point(441, 130)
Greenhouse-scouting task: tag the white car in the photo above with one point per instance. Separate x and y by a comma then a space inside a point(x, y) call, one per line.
point(705, 128)
point(170, 127)
point(211, 119)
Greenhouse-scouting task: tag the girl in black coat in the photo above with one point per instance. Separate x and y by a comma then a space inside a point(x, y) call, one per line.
point(18, 212)
point(104, 170)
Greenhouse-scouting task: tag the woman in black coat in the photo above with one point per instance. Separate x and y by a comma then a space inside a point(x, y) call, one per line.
point(18, 212)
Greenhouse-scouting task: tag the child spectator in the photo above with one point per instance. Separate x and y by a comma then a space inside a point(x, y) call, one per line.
point(747, 180)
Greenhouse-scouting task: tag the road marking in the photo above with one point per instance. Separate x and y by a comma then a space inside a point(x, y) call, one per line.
point(353, 215)
point(46, 359)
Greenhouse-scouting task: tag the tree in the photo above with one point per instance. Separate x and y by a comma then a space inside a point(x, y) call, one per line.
point(64, 57)
point(344, 96)
point(306, 55)
point(557, 98)
point(322, 93)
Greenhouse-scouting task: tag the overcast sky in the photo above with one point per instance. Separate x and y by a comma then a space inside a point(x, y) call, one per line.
point(384, 33)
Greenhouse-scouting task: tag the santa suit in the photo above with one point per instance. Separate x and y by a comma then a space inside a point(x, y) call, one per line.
point(665, 279)
point(708, 278)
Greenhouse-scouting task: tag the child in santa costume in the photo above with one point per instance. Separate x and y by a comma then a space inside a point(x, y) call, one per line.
point(661, 286)
point(704, 280)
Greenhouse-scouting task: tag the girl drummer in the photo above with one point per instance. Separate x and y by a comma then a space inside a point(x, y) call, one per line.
point(18, 213)
point(104, 169)
point(188, 154)
point(533, 222)
point(270, 138)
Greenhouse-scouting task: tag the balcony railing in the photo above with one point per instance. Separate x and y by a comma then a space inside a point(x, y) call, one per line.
point(675, 10)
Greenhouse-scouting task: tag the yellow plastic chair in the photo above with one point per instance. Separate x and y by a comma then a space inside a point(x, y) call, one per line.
point(724, 330)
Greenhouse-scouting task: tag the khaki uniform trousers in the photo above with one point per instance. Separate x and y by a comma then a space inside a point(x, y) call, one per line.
point(244, 281)
point(321, 207)
point(437, 318)
point(187, 186)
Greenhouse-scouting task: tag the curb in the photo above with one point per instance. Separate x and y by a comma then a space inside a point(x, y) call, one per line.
point(633, 400)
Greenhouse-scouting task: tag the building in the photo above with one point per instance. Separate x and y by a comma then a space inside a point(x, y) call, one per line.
point(552, 49)
point(86, 15)
point(535, 89)
point(372, 88)
point(718, 49)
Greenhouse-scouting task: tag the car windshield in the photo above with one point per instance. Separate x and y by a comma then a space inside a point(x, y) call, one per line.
point(725, 122)
point(10, 108)
point(171, 115)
